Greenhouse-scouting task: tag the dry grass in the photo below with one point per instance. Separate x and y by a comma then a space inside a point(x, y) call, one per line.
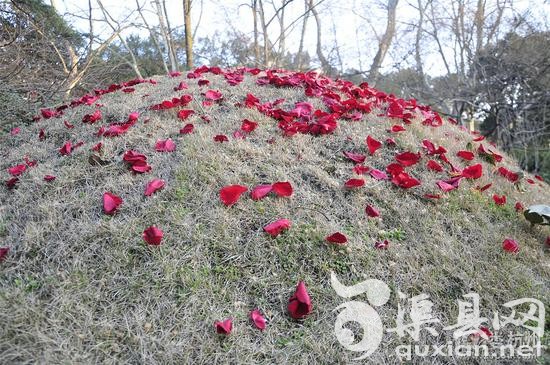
point(82, 287)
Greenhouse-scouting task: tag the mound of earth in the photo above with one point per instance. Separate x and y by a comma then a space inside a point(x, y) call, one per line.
point(136, 217)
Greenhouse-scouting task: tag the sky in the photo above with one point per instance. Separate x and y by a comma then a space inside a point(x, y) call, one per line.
point(353, 25)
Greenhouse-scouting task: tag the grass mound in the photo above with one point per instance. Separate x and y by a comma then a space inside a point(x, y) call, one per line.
point(79, 285)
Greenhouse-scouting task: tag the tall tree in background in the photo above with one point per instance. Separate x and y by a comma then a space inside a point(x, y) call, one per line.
point(166, 34)
point(152, 35)
point(385, 42)
point(188, 33)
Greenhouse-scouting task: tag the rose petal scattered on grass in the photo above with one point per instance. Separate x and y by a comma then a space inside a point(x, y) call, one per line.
point(187, 129)
point(258, 319)
point(407, 158)
point(405, 181)
point(360, 169)
point(224, 327)
point(282, 188)
point(378, 175)
point(354, 183)
point(66, 149)
point(221, 138)
point(153, 186)
point(373, 144)
point(275, 228)
point(213, 95)
point(465, 155)
point(111, 202)
point(4, 253)
point(510, 245)
point(299, 304)
point(17, 169)
point(473, 172)
point(185, 113)
point(355, 157)
point(261, 191)
point(153, 236)
point(248, 125)
point(372, 211)
point(337, 238)
point(499, 200)
point(165, 145)
point(434, 166)
point(382, 245)
point(230, 194)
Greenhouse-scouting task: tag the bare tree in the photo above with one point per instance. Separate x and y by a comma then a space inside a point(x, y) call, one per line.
point(114, 25)
point(319, 50)
point(385, 41)
point(254, 7)
point(152, 34)
point(188, 33)
point(166, 35)
point(299, 56)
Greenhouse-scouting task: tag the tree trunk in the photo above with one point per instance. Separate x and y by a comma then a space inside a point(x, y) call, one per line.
point(299, 56)
point(108, 20)
point(153, 37)
point(264, 30)
point(173, 45)
point(325, 65)
point(256, 44)
point(162, 24)
point(282, 41)
point(188, 34)
point(384, 43)
point(417, 55)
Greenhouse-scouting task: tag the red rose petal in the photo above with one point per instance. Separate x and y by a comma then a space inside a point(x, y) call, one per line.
point(153, 236)
point(257, 319)
point(17, 169)
point(299, 305)
point(355, 157)
point(337, 238)
point(275, 228)
point(4, 253)
point(434, 166)
point(224, 327)
point(153, 186)
point(407, 158)
point(373, 144)
point(230, 194)
point(510, 245)
point(382, 245)
point(354, 183)
point(221, 138)
point(111, 202)
point(260, 191)
point(378, 175)
point(361, 170)
point(372, 211)
point(165, 146)
point(466, 155)
point(499, 200)
point(248, 125)
point(185, 113)
point(282, 188)
point(213, 95)
point(473, 172)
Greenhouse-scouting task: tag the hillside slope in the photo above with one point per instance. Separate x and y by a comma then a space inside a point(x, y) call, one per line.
point(82, 286)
